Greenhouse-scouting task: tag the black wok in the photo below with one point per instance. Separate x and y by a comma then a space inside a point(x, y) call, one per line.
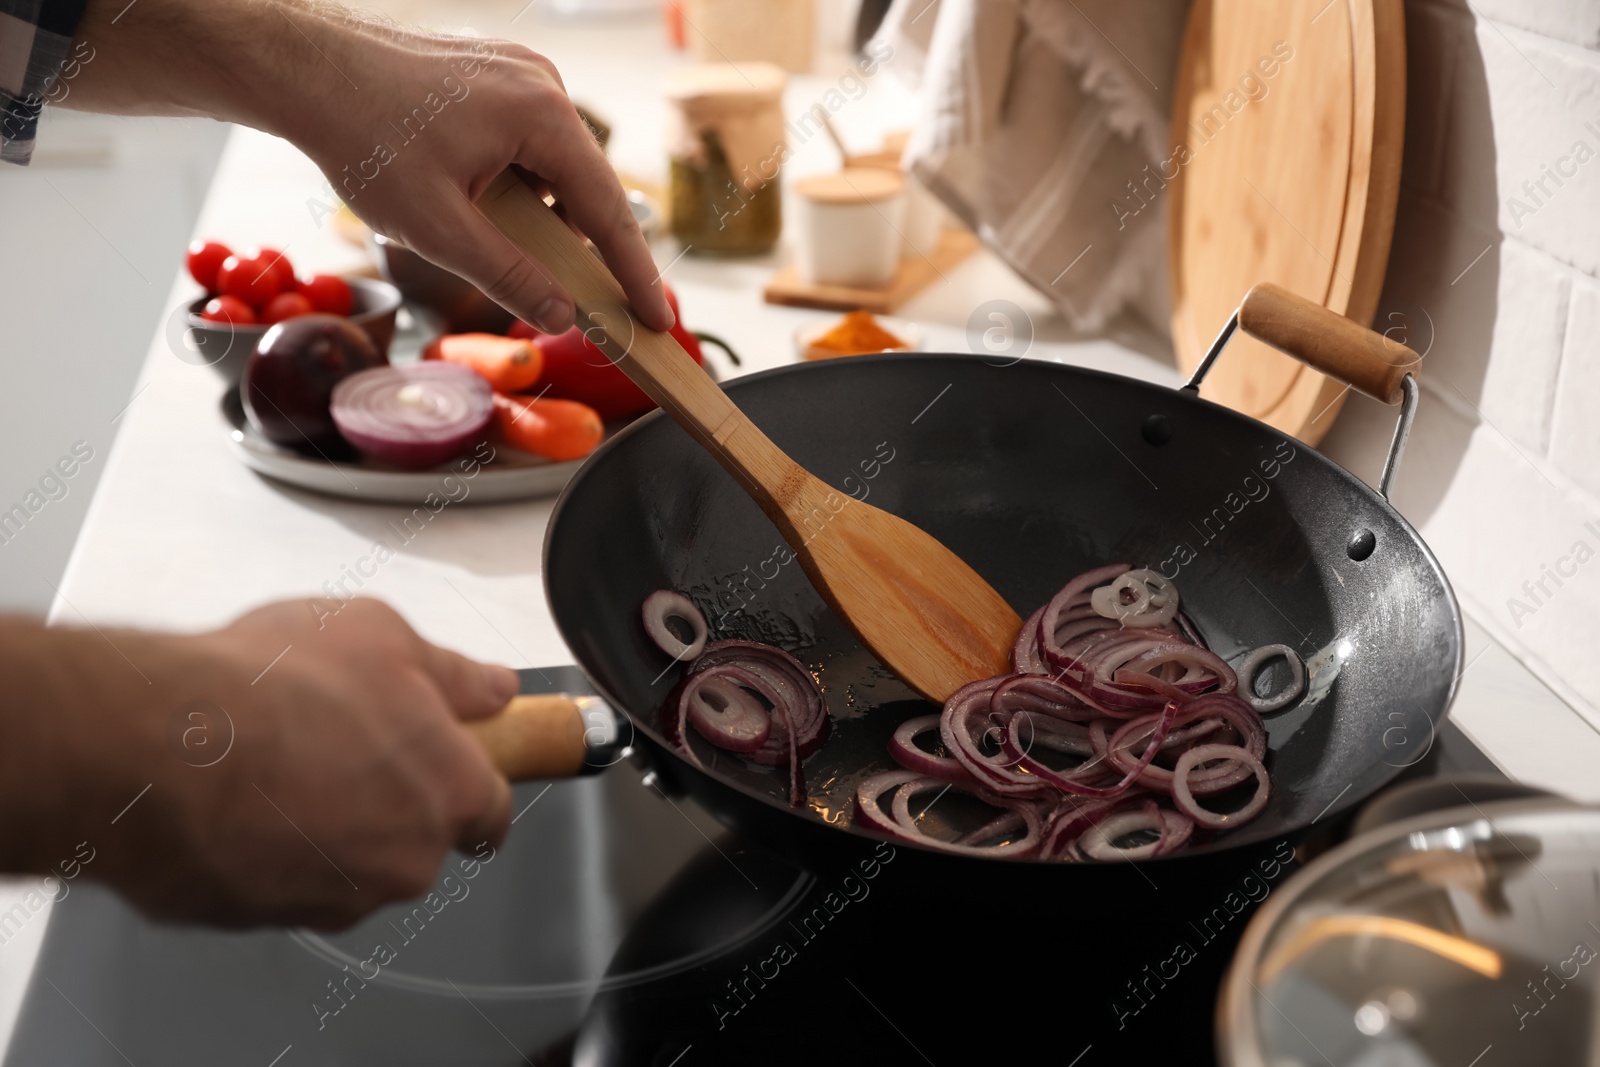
point(1032, 472)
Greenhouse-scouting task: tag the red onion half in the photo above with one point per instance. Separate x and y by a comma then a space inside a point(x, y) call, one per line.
point(416, 416)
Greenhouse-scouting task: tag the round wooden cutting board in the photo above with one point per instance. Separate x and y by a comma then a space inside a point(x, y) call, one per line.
point(1287, 126)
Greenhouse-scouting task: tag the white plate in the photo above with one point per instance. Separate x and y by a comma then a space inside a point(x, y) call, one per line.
point(511, 475)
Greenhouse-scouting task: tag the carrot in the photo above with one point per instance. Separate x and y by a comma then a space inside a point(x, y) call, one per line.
point(554, 429)
point(509, 364)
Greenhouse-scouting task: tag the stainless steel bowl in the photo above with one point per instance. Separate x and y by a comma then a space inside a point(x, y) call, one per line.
point(453, 304)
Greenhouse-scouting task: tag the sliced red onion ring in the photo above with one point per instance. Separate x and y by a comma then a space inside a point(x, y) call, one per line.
point(724, 708)
point(1002, 825)
point(964, 724)
point(1078, 627)
point(1204, 668)
point(1042, 731)
point(1176, 830)
point(1051, 618)
point(1183, 797)
point(796, 689)
point(907, 826)
point(1251, 664)
point(719, 695)
point(1025, 658)
point(1143, 651)
point(1098, 841)
point(1076, 814)
point(900, 824)
point(1137, 598)
point(1081, 647)
point(1118, 694)
point(1044, 696)
point(414, 416)
point(871, 790)
point(1204, 781)
point(797, 774)
point(903, 747)
point(665, 604)
point(1182, 738)
point(1072, 781)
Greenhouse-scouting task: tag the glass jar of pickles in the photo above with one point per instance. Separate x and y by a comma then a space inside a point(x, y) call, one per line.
point(727, 146)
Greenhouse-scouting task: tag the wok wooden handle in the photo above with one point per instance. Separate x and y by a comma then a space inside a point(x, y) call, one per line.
point(1338, 347)
point(535, 737)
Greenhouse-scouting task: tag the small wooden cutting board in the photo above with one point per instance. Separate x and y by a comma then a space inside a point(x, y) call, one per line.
point(914, 274)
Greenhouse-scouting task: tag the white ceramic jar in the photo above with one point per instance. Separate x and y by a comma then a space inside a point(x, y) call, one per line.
point(924, 224)
point(848, 227)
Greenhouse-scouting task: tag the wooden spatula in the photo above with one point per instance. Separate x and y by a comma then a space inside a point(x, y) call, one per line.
point(913, 602)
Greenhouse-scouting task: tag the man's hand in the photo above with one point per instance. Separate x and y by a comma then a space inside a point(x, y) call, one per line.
point(408, 127)
point(330, 774)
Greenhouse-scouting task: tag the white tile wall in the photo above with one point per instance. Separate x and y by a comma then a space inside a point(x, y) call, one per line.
point(1519, 393)
point(1544, 101)
point(1575, 442)
point(1577, 21)
point(1499, 281)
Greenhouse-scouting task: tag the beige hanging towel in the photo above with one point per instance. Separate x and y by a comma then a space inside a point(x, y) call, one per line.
point(1042, 125)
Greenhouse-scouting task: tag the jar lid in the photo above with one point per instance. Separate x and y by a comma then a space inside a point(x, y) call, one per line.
point(755, 81)
point(853, 185)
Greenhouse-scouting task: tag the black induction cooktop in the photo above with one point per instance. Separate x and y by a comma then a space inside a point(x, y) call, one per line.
point(620, 925)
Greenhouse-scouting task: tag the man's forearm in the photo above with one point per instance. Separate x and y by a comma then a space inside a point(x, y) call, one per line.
point(248, 61)
point(337, 84)
point(222, 777)
point(83, 723)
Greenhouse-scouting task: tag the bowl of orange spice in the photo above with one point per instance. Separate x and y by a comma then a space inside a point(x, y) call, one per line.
point(858, 333)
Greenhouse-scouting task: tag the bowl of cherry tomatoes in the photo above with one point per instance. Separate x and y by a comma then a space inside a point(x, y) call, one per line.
point(250, 291)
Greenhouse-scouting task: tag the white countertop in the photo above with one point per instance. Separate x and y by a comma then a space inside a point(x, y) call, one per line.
point(182, 536)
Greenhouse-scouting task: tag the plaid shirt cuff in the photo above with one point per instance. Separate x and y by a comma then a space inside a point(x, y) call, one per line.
point(35, 37)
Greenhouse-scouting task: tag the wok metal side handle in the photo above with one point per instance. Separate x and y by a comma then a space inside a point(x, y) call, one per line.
point(1324, 340)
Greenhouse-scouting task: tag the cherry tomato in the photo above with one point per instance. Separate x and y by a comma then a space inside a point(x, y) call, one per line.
point(575, 369)
point(554, 429)
point(203, 261)
point(507, 363)
point(247, 278)
point(286, 306)
point(229, 309)
point(280, 266)
point(327, 292)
